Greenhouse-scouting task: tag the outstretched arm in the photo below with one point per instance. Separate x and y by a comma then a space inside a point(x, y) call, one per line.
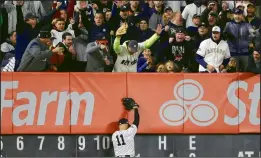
point(136, 116)
point(149, 42)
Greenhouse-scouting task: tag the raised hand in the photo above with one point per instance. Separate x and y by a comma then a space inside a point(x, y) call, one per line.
point(159, 29)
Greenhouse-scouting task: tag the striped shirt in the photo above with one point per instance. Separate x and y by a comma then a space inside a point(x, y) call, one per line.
point(123, 141)
point(10, 66)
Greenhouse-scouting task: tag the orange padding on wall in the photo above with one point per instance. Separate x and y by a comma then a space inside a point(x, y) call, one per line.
point(90, 103)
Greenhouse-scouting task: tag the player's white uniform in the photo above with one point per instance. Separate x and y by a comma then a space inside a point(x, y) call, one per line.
point(213, 53)
point(123, 141)
point(126, 62)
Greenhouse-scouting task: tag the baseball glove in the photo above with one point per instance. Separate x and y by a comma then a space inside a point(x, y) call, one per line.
point(122, 30)
point(129, 103)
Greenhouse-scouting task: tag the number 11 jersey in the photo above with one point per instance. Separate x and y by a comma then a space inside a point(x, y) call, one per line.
point(123, 141)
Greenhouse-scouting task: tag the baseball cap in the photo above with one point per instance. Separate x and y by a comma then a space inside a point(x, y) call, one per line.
point(167, 8)
point(195, 16)
point(144, 19)
point(133, 45)
point(216, 29)
point(251, 5)
point(215, 14)
point(238, 11)
point(203, 24)
point(30, 16)
point(45, 34)
point(123, 121)
point(180, 30)
point(124, 8)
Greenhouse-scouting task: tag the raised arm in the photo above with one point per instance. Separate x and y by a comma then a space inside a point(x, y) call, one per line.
point(121, 31)
point(48, 17)
point(70, 8)
point(149, 42)
point(20, 25)
point(136, 116)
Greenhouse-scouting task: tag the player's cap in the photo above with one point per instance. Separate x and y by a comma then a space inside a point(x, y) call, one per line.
point(168, 9)
point(124, 8)
point(203, 24)
point(216, 29)
point(30, 16)
point(195, 16)
point(123, 121)
point(133, 45)
point(238, 11)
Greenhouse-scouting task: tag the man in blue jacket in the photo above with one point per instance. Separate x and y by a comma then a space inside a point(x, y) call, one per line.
point(239, 35)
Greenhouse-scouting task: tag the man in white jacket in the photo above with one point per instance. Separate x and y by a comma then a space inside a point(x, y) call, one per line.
point(129, 51)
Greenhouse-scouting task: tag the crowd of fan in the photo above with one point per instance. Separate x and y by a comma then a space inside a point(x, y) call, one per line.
point(130, 36)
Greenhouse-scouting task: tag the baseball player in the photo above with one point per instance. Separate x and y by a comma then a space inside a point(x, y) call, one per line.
point(123, 139)
point(129, 51)
point(213, 53)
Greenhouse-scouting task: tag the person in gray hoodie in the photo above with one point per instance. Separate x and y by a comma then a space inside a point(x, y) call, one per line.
point(80, 45)
point(98, 57)
point(37, 54)
point(239, 35)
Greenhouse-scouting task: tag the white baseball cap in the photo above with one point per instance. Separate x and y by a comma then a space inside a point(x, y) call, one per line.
point(216, 29)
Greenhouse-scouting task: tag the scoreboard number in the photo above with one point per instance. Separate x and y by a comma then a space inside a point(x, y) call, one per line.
point(19, 143)
point(105, 142)
point(81, 142)
point(41, 142)
point(61, 145)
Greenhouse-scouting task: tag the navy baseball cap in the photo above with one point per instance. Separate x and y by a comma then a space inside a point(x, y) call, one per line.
point(30, 16)
point(133, 45)
point(238, 11)
point(123, 121)
point(124, 8)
